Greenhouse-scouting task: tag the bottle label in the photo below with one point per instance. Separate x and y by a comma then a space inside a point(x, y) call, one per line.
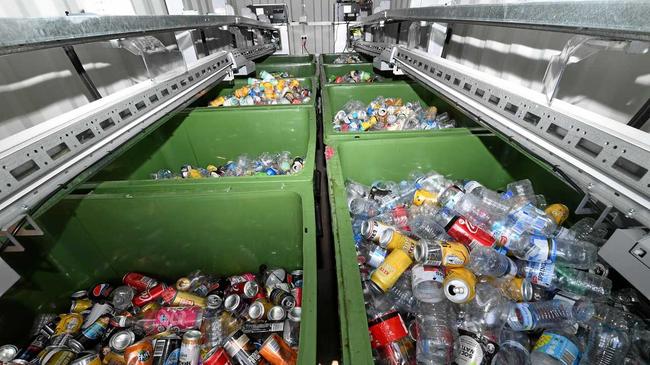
point(376, 256)
point(524, 318)
point(540, 273)
point(475, 349)
point(541, 249)
point(386, 329)
point(422, 273)
point(558, 347)
point(471, 185)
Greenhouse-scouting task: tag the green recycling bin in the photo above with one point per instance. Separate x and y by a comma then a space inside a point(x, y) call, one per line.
point(334, 98)
point(296, 66)
point(228, 88)
point(329, 71)
point(329, 58)
point(226, 228)
point(485, 158)
point(211, 136)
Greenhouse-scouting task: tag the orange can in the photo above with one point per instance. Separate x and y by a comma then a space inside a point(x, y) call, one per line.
point(140, 353)
point(391, 269)
point(277, 352)
point(392, 239)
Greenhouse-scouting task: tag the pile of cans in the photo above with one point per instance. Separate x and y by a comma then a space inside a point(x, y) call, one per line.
point(390, 114)
point(355, 77)
point(348, 58)
point(202, 319)
point(267, 90)
point(266, 164)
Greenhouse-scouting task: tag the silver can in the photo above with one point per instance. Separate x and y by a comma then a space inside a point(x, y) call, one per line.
point(121, 340)
point(190, 348)
point(276, 313)
point(87, 359)
point(122, 297)
point(291, 332)
point(7, 353)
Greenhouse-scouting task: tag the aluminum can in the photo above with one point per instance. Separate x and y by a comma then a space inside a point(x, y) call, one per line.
point(421, 197)
point(87, 359)
point(459, 285)
point(121, 340)
point(259, 309)
point(69, 323)
point(296, 278)
point(173, 319)
point(392, 239)
point(174, 297)
point(80, 305)
point(149, 295)
point(79, 294)
point(190, 348)
point(441, 253)
point(30, 352)
point(138, 281)
point(100, 292)
point(166, 350)
point(122, 297)
point(111, 358)
point(282, 298)
point(140, 353)
point(463, 231)
point(277, 313)
point(239, 347)
point(297, 294)
point(183, 284)
point(372, 230)
point(235, 304)
point(56, 355)
point(44, 323)
point(7, 353)
point(391, 269)
point(277, 352)
point(216, 356)
point(98, 310)
point(291, 332)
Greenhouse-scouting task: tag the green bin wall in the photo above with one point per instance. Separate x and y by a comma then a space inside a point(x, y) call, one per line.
point(282, 60)
point(226, 228)
point(228, 88)
point(339, 70)
point(328, 58)
point(334, 98)
point(486, 159)
point(297, 66)
point(214, 136)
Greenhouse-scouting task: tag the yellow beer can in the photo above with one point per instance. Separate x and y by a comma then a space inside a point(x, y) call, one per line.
point(391, 269)
point(459, 285)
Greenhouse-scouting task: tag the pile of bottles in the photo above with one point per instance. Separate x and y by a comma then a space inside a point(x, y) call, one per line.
point(244, 319)
point(390, 114)
point(348, 58)
point(453, 271)
point(355, 77)
point(266, 164)
point(267, 90)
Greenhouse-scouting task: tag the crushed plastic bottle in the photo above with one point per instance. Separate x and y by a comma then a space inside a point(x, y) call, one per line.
point(548, 314)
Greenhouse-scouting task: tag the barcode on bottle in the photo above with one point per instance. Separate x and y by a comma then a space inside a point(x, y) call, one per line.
point(568, 358)
point(274, 346)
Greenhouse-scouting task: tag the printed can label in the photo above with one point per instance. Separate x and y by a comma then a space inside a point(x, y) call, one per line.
point(454, 254)
point(475, 349)
point(466, 233)
point(386, 329)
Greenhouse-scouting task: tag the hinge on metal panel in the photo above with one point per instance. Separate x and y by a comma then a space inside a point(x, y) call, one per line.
point(24, 226)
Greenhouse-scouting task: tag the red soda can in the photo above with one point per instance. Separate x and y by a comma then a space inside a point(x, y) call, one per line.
point(100, 291)
point(297, 294)
point(463, 231)
point(217, 356)
point(235, 279)
point(138, 281)
point(149, 295)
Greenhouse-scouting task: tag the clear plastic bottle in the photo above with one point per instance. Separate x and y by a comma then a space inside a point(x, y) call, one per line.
point(548, 314)
point(480, 326)
point(482, 205)
point(427, 283)
point(514, 348)
point(551, 276)
point(609, 338)
point(585, 230)
point(564, 252)
point(436, 329)
point(517, 289)
point(485, 261)
point(363, 208)
point(521, 191)
point(211, 332)
point(371, 255)
point(427, 227)
point(557, 347)
point(525, 217)
point(401, 295)
point(431, 181)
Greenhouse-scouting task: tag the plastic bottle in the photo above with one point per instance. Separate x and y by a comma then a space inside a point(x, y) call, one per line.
point(427, 227)
point(520, 191)
point(525, 217)
point(427, 282)
point(480, 328)
point(162, 319)
point(482, 205)
point(517, 289)
point(363, 208)
point(389, 339)
point(609, 339)
point(551, 276)
point(548, 314)
point(513, 348)
point(584, 229)
point(564, 252)
point(401, 295)
point(485, 261)
point(211, 331)
point(557, 347)
point(436, 333)
point(431, 181)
